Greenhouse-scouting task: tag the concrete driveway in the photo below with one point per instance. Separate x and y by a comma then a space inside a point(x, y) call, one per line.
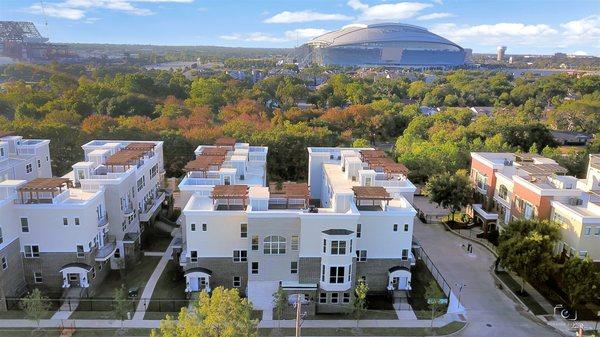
point(489, 311)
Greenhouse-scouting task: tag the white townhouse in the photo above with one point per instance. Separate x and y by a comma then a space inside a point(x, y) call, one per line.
point(24, 159)
point(131, 173)
point(352, 220)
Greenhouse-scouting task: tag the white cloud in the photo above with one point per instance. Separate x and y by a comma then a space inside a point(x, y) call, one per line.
point(305, 16)
point(586, 30)
point(304, 33)
point(499, 33)
point(580, 53)
point(388, 12)
point(434, 16)
point(301, 35)
point(77, 9)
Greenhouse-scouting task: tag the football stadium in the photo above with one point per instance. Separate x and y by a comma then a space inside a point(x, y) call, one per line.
point(387, 44)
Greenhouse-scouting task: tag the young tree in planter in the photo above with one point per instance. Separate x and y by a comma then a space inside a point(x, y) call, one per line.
point(360, 299)
point(434, 295)
point(121, 304)
point(35, 305)
point(280, 302)
point(581, 280)
point(525, 247)
point(450, 190)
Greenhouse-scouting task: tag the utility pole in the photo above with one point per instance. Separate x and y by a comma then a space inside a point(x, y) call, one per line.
point(298, 314)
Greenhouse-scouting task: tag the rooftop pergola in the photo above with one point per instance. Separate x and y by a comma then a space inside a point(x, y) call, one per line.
point(204, 163)
point(543, 169)
point(214, 151)
point(371, 193)
point(290, 190)
point(141, 146)
point(230, 192)
point(6, 134)
point(364, 154)
point(54, 186)
point(125, 157)
point(526, 157)
point(387, 165)
point(226, 141)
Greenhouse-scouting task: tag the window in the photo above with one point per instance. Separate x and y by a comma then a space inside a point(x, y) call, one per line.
point(77, 222)
point(596, 233)
point(244, 230)
point(334, 298)
point(194, 256)
point(336, 274)
point(37, 277)
point(141, 183)
point(274, 245)
point(588, 230)
point(254, 242)
point(406, 227)
point(323, 273)
point(65, 221)
point(24, 225)
point(324, 246)
point(294, 267)
point(358, 230)
point(346, 298)
point(32, 251)
point(1, 237)
point(4, 263)
point(80, 252)
point(503, 192)
point(404, 254)
point(117, 253)
point(100, 266)
point(204, 227)
point(193, 227)
point(322, 297)
point(295, 242)
point(395, 227)
point(39, 162)
point(124, 225)
point(255, 268)
point(240, 255)
point(153, 171)
point(361, 255)
point(583, 254)
point(93, 273)
point(237, 281)
point(338, 247)
point(28, 168)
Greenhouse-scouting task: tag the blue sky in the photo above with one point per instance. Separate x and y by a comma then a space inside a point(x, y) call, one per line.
point(525, 26)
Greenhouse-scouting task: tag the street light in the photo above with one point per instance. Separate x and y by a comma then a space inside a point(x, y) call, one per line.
point(460, 288)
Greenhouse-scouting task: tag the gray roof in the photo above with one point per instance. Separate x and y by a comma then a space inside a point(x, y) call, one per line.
point(85, 266)
point(383, 32)
point(198, 270)
point(338, 232)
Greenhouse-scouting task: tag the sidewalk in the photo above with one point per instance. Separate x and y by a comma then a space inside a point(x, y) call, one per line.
point(151, 284)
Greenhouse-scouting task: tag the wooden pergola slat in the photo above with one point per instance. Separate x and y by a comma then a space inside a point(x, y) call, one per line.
point(226, 141)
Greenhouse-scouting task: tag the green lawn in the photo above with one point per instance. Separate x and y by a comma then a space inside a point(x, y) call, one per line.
point(101, 305)
point(19, 314)
point(514, 286)
point(78, 333)
point(445, 330)
point(156, 243)
point(421, 277)
point(169, 294)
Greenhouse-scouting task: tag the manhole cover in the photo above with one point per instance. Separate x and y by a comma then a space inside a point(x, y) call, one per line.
point(488, 325)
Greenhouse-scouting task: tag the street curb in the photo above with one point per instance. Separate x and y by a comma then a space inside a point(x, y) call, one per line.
point(468, 238)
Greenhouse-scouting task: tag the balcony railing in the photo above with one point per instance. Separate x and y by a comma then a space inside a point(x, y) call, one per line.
point(103, 221)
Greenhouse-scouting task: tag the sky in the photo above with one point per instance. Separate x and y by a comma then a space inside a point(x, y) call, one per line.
point(524, 26)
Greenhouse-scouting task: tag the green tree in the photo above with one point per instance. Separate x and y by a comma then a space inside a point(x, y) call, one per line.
point(581, 279)
point(434, 295)
point(121, 304)
point(525, 247)
point(450, 190)
point(280, 303)
point(361, 142)
point(359, 304)
point(35, 305)
point(221, 314)
point(208, 92)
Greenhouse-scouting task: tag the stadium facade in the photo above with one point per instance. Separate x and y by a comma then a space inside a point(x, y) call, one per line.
point(386, 44)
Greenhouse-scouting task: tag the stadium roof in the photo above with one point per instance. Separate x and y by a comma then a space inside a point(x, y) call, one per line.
point(20, 31)
point(383, 32)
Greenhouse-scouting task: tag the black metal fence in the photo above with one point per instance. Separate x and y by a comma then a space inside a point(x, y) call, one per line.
point(105, 304)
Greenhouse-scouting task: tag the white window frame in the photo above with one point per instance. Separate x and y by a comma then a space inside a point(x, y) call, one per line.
point(192, 257)
point(293, 267)
point(240, 256)
point(274, 245)
point(237, 280)
point(25, 225)
point(255, 244)
point(243, 230)
point(338, 247)
point(295, 243)
point(4, 262)
point(31, 251)
point(335, 277)
point(361, 255)
point(38, 277)
point(254, 271)
point(358, 230)
point(80, 254)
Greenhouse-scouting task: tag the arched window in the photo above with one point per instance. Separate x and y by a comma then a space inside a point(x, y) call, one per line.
point(274, 245)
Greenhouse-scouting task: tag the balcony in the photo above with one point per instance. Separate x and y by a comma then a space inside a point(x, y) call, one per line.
point(103, 222)
point(106, 252)
point(128, 210)
point(151, 206)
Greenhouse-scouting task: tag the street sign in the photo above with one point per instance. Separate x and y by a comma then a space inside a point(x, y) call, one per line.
point(437, 300)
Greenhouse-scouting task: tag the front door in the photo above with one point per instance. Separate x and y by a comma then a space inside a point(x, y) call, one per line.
point(403, 283)
point(395, 282)
point(202, 283)
point(73, 280)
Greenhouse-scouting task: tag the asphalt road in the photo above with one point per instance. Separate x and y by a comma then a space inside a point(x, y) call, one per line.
point(489, 311)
